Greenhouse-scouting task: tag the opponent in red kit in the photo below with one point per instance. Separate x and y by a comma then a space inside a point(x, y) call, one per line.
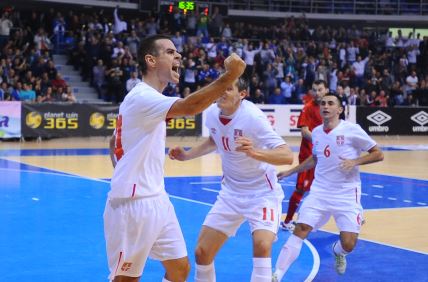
point(308, 120)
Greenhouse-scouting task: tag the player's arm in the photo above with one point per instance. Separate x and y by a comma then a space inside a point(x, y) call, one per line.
point(178, 153)
point(280, 155)
point(204, 97)
point(375, 154)
point(306, 133)
point(112, 144)
point(305, 165)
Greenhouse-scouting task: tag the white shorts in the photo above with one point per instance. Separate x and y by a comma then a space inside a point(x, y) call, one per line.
point(140, 228)
point(316, 211)
point(228, 213)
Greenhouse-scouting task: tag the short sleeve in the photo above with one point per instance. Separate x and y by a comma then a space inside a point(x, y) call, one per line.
point(361, 139)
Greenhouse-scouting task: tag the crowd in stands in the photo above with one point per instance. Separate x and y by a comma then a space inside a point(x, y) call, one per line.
point(27, 72)
point(368, 68)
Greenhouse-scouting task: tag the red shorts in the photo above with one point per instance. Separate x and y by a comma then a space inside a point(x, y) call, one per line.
point(304, 179)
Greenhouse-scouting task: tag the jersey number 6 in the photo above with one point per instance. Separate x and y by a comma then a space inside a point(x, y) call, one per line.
point(327, 151)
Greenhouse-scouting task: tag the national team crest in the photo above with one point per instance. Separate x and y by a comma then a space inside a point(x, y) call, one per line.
point(340, 140)
point(237, 133)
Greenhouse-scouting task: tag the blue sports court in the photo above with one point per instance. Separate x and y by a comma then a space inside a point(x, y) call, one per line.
point(52, 228)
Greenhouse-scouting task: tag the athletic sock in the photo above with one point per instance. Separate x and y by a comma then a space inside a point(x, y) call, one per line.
point(289, 253)
point(338, 250)
point(205, 273)
point(262, 270)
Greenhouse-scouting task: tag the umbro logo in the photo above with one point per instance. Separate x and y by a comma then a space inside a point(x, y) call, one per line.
point(420, 118)
point(379, 117)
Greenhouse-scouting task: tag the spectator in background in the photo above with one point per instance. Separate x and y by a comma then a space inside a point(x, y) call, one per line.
point(133, 42)
point(119, 24)
point(345, 103)
point(259, 97)
point(249, 53)
point(191, 21)
point(186, 92)
point(178, 41)
point(287, 89)
point(411, 82)
point(370, 99)
point(421, 94)
point(353, 98)
point(99, 78)
point(382, 100)
point(202, 25)
point(397, 94)
point(42, 41)
point(216, 22)
point(4, 92)
point(132, 81)
point(118, 50)
point(359, 70)
point(68, 96)
point(114, 82)
point(276, 97)
point(299, 91)
point(59, 82)
point(5, 26)
point(226, 32)
point(190, 73)
point(16, 91)
point(352, 52)
point(45, 82)
point(332, 78)
point(27, 94)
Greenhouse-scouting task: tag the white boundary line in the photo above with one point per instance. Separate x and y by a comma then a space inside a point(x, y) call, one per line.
point(380, 243)
point(315, 267)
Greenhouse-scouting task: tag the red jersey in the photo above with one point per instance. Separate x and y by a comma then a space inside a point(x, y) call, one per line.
point(311, 118)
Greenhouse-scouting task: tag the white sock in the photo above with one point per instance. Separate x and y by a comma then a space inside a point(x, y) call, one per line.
point(289, 253)
point(165, 280)
point(338, 250)
point(262, 270)
point(205, 273)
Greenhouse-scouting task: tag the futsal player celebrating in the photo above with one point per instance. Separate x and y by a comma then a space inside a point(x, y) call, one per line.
point(336, 189)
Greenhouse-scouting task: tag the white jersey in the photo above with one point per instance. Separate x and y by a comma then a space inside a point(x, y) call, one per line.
point(141, 133)
point(346, 141)
point(243, 174)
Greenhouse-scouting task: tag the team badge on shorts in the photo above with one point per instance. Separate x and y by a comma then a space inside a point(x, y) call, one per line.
point(340, 140)
point(213, 131)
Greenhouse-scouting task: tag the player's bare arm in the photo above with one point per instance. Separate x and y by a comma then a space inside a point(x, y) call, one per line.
point(306, 133)
point(280, 155)
point(111, 149)
point(204, 97)
point(375, 154)
point(307, 164)
point(179, 154)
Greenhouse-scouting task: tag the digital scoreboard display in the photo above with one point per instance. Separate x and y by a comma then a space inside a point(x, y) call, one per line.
point(186, 5)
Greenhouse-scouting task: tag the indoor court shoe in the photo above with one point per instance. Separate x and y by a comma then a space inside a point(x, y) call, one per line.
point(340, 263)
point(274, 278)
point(288, 226)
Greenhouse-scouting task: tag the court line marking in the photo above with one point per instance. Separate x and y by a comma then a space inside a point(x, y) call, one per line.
point(210, 190)
point(315, 255)
point(205, 182)
point(380, 243)
point(397, 208)
point(208, 204)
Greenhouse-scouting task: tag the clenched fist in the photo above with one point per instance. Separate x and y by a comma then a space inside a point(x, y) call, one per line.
point(234, 65)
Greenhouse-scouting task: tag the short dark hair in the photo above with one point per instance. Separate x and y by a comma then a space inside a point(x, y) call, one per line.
point(242, 83)
point(337, 97)
point(148, 46)
point(321, 81)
